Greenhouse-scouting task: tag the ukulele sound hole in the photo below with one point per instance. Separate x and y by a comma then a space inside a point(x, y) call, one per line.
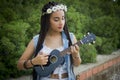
point(53, 59)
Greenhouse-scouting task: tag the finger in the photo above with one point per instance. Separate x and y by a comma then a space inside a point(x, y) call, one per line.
point(45, 54)
point(72, 49)
point(46, 57)
point(77, 47)
point(40, 53)
point(45, 62)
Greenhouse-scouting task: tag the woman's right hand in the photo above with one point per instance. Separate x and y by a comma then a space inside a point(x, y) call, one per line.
point(40, 59)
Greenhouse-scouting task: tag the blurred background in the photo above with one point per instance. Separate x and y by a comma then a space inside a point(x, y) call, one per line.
point(20, 21)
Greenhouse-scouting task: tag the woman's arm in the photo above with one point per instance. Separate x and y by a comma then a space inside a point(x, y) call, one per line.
point(26, 56)
point(26, 60)
point(75, 53)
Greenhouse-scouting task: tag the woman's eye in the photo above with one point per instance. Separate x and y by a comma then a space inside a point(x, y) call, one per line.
point(55, 19)
point(63, 18)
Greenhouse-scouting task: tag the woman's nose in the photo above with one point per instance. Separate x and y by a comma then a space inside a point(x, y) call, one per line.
point(61, 22)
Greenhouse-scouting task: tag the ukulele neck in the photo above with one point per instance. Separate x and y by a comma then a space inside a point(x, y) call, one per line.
point(67, 50)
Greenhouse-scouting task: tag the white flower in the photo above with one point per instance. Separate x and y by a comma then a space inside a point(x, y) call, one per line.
point(49, 10)
point(62, 6)
point(65, 8)
point(54, 9)
point(58, 7)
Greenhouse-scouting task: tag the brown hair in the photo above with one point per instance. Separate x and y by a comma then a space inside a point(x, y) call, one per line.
point(45, 24)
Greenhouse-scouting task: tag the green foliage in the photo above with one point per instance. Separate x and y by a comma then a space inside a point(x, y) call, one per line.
point(6, 45)
point(88, 53)
point(107, 32)
point(12, 44)
point(74, 20)
point(20, 19)
point(34, 21)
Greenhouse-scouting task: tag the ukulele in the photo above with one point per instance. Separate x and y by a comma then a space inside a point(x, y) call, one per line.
point(56, 57)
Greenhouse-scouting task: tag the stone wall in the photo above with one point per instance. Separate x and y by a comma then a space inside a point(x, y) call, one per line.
point(107, 67)
point(111, 73)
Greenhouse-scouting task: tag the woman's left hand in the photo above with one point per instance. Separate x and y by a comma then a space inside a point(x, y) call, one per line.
point(74, 50)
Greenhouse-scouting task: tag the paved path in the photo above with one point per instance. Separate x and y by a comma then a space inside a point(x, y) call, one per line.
point(23, 78)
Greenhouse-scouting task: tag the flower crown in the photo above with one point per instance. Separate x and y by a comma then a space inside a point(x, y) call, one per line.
point(56, 8)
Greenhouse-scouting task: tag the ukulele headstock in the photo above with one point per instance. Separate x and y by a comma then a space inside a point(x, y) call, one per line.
point(89, 38)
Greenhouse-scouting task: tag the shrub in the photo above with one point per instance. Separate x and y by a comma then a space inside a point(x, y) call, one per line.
point(88, 53)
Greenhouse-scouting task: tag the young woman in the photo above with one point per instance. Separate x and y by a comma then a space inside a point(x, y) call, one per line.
point(53, 35)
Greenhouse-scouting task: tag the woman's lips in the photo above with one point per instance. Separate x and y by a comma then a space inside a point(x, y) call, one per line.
point(60, 27)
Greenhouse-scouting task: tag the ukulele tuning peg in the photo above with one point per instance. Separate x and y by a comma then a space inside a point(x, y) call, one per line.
point(89, 43)
point(88, 33)
point(84, 35)
point(93, 42)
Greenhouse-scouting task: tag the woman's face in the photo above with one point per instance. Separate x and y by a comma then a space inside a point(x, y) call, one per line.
point(57, 21)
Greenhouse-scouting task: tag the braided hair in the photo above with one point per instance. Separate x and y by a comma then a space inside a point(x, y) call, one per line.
point(45, 24)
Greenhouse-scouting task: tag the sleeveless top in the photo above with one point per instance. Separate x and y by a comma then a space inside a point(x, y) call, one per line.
point(67, 63)
point(60, 69)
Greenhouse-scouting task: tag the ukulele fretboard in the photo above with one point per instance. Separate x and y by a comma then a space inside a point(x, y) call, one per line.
point(67, 50)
